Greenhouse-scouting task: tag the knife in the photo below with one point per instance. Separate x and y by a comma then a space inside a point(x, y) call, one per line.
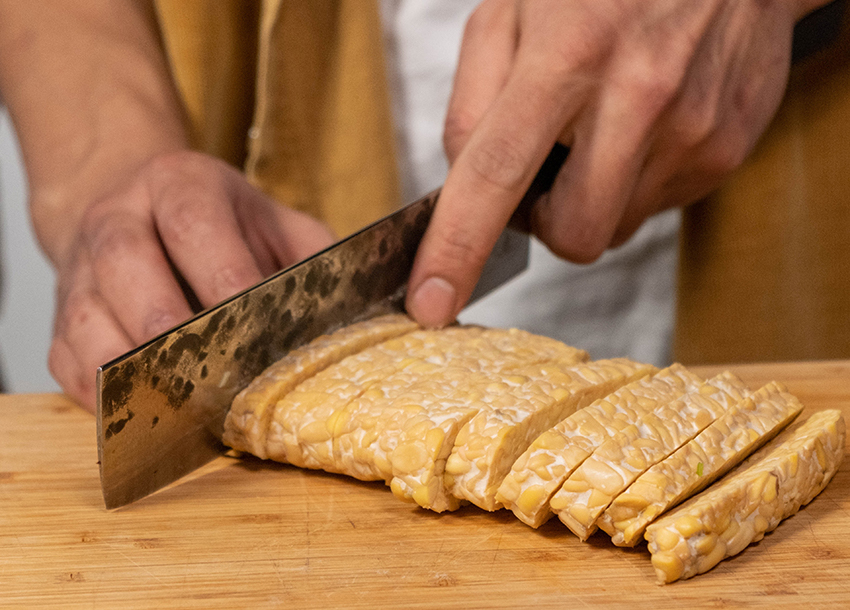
point(161, 406)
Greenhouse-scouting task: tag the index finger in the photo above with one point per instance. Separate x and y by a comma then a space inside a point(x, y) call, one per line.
point(482, 190)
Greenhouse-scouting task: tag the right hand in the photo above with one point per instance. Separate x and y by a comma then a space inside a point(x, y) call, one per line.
point(183, 213)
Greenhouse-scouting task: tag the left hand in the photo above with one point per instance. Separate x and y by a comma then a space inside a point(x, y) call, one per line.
point(658, 100)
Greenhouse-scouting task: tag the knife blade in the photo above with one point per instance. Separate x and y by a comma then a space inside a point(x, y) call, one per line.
point(161, 406)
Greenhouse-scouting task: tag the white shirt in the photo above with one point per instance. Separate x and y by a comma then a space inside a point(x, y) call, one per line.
point(621, 305)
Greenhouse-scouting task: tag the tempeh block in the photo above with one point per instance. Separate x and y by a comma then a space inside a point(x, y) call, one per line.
point(769, 486)
point(704, 459)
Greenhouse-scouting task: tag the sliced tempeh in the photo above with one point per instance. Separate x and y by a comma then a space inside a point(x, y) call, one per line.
point(541, 470)
point(307, 420)
point(707, 457)
point(247, 422)
point(495, 437)
point(628, 453)
point(408, 422)
point(770, 486)
point(425, 440)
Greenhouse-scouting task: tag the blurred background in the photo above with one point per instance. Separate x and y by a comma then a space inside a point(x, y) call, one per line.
point(26, 281)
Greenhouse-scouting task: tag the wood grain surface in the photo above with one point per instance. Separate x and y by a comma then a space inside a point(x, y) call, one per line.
point(242, 533)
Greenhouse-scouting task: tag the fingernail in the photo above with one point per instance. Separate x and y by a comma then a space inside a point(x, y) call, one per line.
point(433, 303)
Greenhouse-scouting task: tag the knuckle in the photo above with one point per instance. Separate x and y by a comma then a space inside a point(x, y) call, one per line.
point(157, 320)
point(478, 20)
point(653, 87)
point(458, 248)
point(499, 162)
point(589, 46)
point(183, 163)
point(110, 238)
point(183, 215)
point(693, 127)
point(76, 312)
point(724, 155)
point(228, 280)
point(696, 118)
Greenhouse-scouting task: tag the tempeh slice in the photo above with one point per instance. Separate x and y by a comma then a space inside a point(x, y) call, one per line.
point(704, 459)
point(489, 444)
point(247, 422)
point(541, 470)
point(621, 459)
point(770, 486)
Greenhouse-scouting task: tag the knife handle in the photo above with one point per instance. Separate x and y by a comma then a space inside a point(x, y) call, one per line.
point(542, 183)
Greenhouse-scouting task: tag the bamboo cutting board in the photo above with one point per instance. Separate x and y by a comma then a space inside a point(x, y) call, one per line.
point(250, 534)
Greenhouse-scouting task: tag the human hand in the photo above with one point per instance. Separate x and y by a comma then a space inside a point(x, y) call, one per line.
point(184, 215)
point(658, 100)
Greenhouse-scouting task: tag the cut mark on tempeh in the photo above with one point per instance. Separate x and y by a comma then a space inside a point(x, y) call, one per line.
point(324, 409)
point(541, 470)
point(402, 429)
point(704, 459)
point(489, 444)
point(629, 452)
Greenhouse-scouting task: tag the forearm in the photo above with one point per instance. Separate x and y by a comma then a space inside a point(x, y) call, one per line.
point(91, 97)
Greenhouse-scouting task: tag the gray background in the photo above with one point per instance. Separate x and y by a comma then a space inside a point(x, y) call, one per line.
point(26, 280)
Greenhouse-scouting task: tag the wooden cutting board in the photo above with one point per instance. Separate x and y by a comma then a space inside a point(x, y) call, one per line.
point(251, 534)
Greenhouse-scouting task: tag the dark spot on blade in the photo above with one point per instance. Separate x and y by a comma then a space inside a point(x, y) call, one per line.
point(189, 342)
point(154, 421)
point(213, 325)
point(179, 392)
point(311, 280)
point(117, 388)
point(118, 425)
point(329, 284)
